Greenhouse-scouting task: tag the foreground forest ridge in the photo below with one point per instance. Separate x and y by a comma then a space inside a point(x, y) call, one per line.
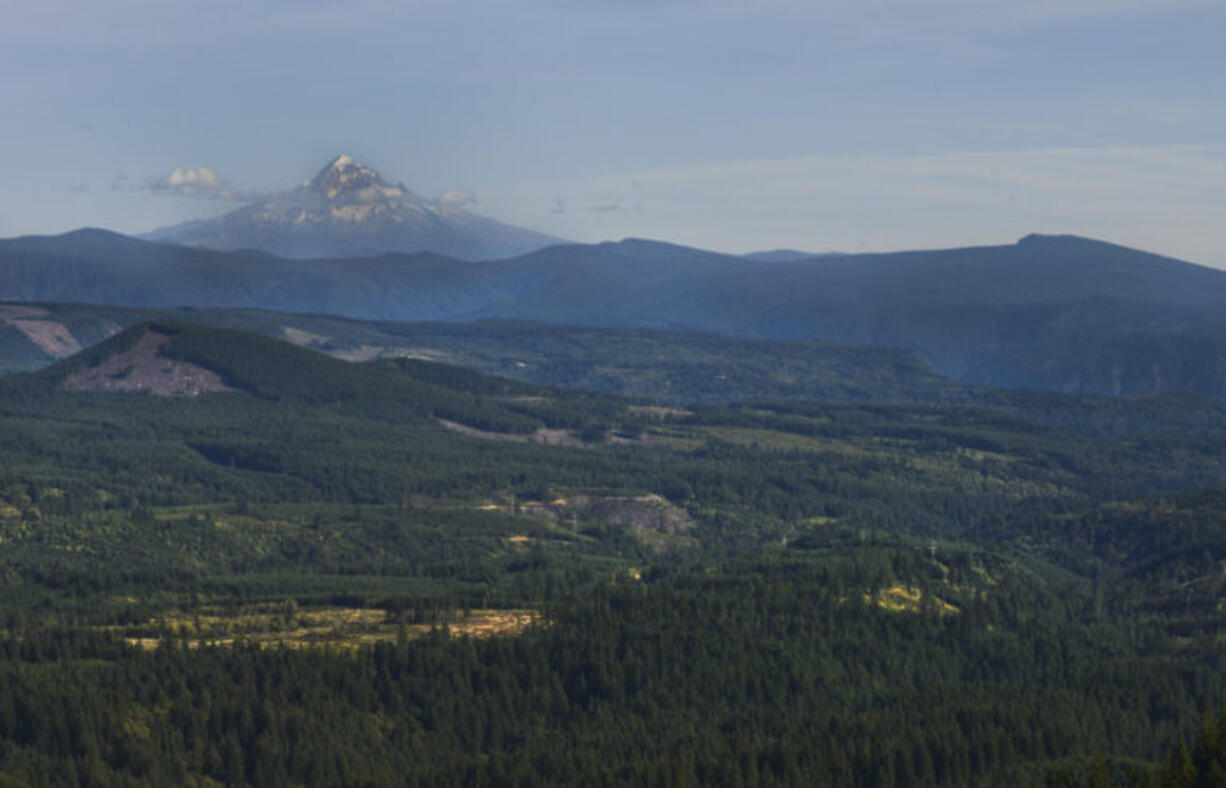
point(231, 560)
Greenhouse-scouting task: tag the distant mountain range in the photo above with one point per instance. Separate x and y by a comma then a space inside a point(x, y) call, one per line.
point(785, 255)
point(349, 210)
point(1049, 312)
point(665, 367)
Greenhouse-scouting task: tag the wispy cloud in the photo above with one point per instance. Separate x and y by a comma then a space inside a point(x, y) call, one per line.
point(196, 182)
point(1141, 196)
point(456, 198)
point(1108, 173)
point(969, 12)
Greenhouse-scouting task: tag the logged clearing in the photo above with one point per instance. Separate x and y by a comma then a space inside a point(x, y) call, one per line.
point(296, 336)
point(547, 436)
point(51, 337)
point(543, 435)
point(16, 311)
point(359, 354)
point(651, 518)
point(143, 368)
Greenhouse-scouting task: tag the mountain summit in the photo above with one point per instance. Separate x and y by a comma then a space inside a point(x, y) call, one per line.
point(348, 209)
point(344, 174)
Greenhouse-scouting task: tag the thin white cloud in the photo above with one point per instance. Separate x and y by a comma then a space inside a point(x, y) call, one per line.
point(456, 198)
point(970, 11)
point(196, 182)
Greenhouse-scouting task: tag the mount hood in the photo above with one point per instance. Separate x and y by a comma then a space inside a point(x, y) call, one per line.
point(350, 210)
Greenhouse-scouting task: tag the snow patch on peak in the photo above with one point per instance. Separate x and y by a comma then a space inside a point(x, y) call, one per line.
point(344, 176)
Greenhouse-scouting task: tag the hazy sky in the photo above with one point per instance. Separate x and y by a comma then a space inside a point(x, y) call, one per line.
point(732, 125)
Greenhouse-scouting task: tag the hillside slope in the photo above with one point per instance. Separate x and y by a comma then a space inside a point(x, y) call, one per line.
point(1057, 313)
point(990, 593)
point(101, 267)
point(663, 367)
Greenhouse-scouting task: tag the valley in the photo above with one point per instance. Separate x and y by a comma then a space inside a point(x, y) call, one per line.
point(1002, 574)
point(737, 394)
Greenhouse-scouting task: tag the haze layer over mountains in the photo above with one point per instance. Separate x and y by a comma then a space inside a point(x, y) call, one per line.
point(1049, 312)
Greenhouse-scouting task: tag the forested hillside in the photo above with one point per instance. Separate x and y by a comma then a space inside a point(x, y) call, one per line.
point(408, 573)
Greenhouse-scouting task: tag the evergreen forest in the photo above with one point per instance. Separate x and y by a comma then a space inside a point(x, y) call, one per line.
point(400, 572)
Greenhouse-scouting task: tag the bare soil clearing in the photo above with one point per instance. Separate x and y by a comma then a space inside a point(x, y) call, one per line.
point(17, 311)
point(52, 337)
point(143, 368)
point(543, 435)
point(546, 436)
point(296, 336)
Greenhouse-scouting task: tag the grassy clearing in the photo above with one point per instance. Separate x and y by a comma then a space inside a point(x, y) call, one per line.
point(908, 599)
point(659, 411)
point(781, 441)
point(284, 624)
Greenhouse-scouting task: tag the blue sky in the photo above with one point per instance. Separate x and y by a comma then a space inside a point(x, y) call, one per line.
point(733, 125)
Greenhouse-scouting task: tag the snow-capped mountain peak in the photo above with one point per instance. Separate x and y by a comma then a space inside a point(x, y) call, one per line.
point(349, 209)
point(345, 179)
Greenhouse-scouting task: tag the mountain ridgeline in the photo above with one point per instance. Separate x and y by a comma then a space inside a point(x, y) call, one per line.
point(1057, 313)
point(169, 359)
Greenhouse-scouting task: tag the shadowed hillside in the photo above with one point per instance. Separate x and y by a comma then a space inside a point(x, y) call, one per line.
point(1057, 313)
